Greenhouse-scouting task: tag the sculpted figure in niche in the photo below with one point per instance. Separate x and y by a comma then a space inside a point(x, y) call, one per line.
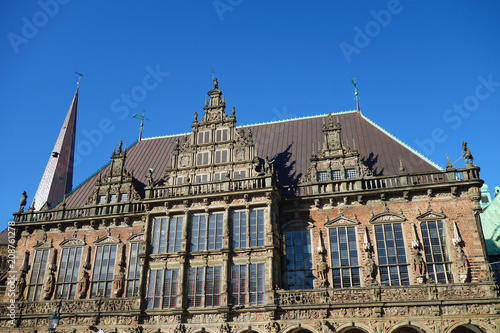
point(48, 286)
point(20, 286)
point(118, 283)
point(419, 267)
point(83, 285)
point(322, 270)
point(369, 264)
point(462, 266)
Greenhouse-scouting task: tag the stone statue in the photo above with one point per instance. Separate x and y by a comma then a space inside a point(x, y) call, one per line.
point(83, 285)
point(369, 264)
point(20, 286)
point(216, 84)
point(48, 286)
point(150, 178)
point(224, 328)
point(118, 283)
point(467, 154)
point(22, 203)
point(322, 269)
point(196, 116)
point(462, 266)
point(419, 267)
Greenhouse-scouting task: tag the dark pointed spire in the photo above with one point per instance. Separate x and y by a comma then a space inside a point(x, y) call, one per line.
point(57, 179)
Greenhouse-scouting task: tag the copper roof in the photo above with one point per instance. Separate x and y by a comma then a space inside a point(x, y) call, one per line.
point(289, 143)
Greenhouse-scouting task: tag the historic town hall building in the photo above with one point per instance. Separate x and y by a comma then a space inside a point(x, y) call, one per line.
point(319, 224)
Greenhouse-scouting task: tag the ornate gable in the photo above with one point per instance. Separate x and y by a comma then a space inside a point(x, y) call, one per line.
point(117, 185)
point(387, 217)
point(215, 150)
point(431, 215)
point(341, 220)
point(335, 160)
point(43, 245)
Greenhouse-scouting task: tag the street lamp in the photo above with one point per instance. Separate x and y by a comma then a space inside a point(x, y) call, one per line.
point(53, 322)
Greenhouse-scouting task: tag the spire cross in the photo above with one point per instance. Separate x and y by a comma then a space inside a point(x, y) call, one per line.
point(141, 117)
point(356, 93)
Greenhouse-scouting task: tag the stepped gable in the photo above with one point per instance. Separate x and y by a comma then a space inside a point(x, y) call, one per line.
point(288, 143)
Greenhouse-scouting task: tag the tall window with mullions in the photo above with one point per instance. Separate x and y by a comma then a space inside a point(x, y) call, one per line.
point(133, 272)
point(299, 268)
point(162, 288)
point(392, 262)
point(167, 234)
point(37, 274)
point(102, 277)
point(436, 256)
point(206, 234)
point(67, 277)
point(344, 257)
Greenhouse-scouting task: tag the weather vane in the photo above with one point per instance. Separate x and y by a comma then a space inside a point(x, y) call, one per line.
point(80, 75)
point(214, 79)
point(141, 117)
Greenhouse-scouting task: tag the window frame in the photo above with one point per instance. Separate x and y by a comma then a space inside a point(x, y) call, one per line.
point(164, 289)
point(353, 266)
point(384, 270)
point(134, 269)
point(202, 238)
point(252, 289)
point(62, 275)
point(429, 253)
point(38, 271)
point(167, 234)
point(289, 236)
point(96, 278)
point(198, 293)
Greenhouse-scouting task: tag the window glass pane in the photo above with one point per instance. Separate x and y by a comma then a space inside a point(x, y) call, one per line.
point(298, 259)
point(344, 257)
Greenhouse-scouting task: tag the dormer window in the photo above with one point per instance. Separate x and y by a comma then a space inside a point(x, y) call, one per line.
point(102, 200)
point(221, 135)
point(336, 175)
point(203, 137)
point(221, 156)
point(113, 198)
point(350, 173)
point(322, 176)
point(202, 158)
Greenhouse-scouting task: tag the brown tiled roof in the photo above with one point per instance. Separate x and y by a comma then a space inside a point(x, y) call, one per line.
point(4, 240)
point(289, 143)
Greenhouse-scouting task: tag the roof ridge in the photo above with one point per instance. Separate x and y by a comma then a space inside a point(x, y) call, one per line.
point(296, 118)
point(258, 124)
point(402, 143)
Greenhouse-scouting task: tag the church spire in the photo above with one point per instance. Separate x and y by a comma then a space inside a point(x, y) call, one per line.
point(57, 179)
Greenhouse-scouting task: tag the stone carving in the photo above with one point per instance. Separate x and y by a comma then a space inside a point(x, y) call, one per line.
point(22, 202)
point(419, 267)
point(467, 154)
point(83, 285)
point(48, 286)
point(224, 328)
point(180, 328)
point(462, 265)
point(118, 282)
point(370, 268)
point(20, 286)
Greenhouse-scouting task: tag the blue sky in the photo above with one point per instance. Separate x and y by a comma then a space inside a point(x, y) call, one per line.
point(427, 71)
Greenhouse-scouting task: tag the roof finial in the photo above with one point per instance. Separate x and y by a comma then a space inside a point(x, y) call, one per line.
point(138, 116)
point(80, 75)
point(356, 93)
point(214, 79)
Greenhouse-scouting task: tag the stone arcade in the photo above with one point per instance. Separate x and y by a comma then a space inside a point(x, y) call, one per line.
point(318, 224)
